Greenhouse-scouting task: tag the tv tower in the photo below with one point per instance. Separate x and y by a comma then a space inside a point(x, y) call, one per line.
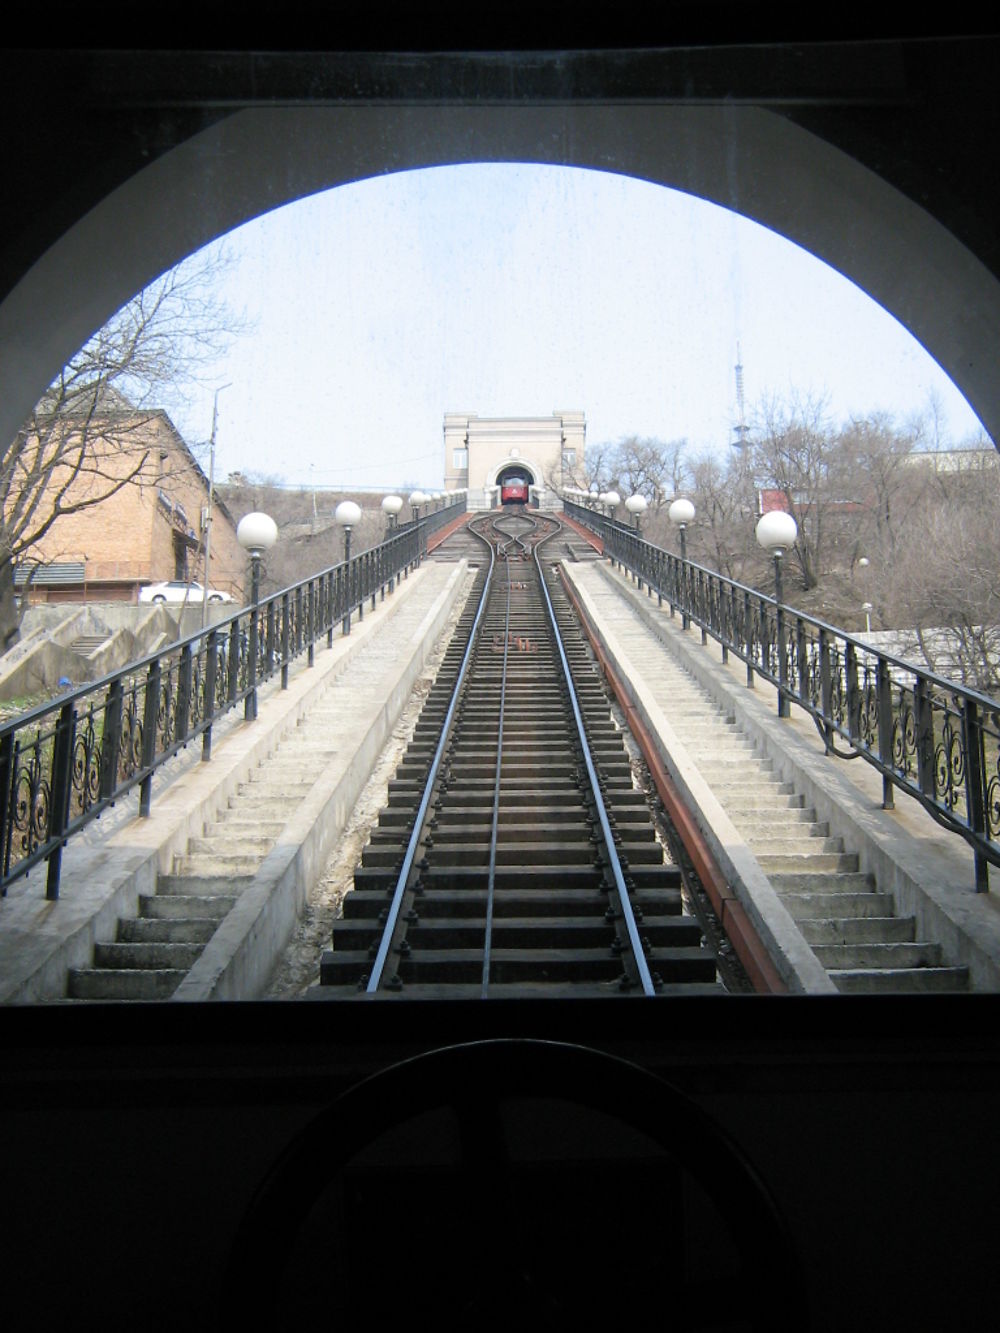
point(741, 430)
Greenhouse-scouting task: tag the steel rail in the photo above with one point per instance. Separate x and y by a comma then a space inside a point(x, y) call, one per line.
point(375, 976)
point(628, 915)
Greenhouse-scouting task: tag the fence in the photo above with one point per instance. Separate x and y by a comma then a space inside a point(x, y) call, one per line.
point(63, 763)
point(934, 739)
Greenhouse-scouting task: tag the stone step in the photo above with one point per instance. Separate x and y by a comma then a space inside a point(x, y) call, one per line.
point(155, 956)
point(753, 801)
point(825, 906)
point(167, 930)
point(822, 862)
point(203, 886)
point(852, 882)
point(891, 981)
point(780, 843)
point(106, 984)
point(879, 955)
point(185, 907)
point(216, 866)
point(729, 785)
point(237, 821)
point(783, 816)
point(859, 930)
point(236, 843)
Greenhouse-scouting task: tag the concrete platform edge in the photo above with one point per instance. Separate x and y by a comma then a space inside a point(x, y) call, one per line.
point(930, 878)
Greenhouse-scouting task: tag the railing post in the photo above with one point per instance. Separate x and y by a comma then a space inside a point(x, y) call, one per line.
point(271, 636)
point(284, 641)
point(150, 712)
point(975, 793)
point(883, 686)
point(328, 609)
point(111, 737)
point(311, 630)
point(62, 772)
point(250, 702)
point(826, 690)
point(211, 685)
point(925, 737)
point(853, 692)
point(782, 633)
point(702, 606)
point(801, 658)
point(183, 694)
point(234, 661)
point(7, 796)
point(747, 639)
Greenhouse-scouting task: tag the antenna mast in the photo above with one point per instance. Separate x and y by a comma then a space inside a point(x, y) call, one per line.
point(741, 430)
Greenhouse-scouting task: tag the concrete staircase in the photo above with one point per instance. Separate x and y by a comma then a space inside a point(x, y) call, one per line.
point(85, 644)
point(154, 952)
point(850, 925)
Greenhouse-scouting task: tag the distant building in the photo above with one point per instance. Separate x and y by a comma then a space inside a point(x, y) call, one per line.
point(955, 460)
point(770, 499)
point(479, 452)
point(149, 530)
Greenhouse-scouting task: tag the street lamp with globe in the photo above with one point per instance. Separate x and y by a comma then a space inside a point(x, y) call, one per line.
point(256, 533)
point(347, 515)
point(776, 532)
point(637, 506)
point(681, 513)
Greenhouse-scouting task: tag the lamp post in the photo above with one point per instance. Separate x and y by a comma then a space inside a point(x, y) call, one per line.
point(347, 515)
point(256, 533)
point(776, 532)
point(391, 506)
point(867, 608)
point(681, 513)
point(211, 499)
point(417, 499)
point(636, 506)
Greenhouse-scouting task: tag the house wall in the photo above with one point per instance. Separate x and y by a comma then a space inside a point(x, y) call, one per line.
point(128, 539)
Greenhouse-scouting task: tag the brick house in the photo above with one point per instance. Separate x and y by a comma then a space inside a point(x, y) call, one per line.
point(149, 530)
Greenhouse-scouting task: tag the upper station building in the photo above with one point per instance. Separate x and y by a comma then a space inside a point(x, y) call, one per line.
point(480, 452)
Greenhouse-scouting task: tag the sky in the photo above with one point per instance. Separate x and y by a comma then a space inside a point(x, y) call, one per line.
point(518, 290)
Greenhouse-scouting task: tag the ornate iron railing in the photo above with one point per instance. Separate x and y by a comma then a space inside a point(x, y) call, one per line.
point(64, 762)
point(932, 738)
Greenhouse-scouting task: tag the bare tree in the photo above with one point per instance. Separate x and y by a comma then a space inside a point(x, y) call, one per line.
point(795, 454)
point(944, 579)
point(84, 440)
point(722, 535)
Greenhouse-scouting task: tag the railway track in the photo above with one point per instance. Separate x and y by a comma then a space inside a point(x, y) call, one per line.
point(515, 856)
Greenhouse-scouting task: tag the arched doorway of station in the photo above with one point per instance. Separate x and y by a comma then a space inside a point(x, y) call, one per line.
point(511, 471)
point(518, 470)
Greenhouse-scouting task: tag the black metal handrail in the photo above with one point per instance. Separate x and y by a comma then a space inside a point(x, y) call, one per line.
point(933, 738)
point(64, 762)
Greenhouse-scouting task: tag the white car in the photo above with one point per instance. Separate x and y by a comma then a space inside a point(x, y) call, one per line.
point(177, 590)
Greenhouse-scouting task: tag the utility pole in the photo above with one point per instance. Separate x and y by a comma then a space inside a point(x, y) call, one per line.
point(211, 498)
